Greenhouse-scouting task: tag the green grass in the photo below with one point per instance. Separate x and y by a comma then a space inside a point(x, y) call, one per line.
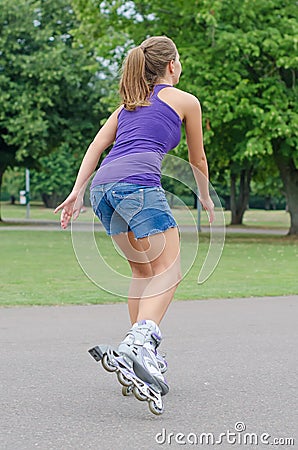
point(40, 268)
point(37, 212)
point(252, 218)
point(266, 219)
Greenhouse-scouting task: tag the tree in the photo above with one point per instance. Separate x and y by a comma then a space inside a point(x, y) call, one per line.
point(239, 58)
point(260, 41)
point(54, 180)
point(13, 182)
point(49, 86)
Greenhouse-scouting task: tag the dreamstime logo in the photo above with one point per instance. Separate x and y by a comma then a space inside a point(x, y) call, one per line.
point(97, 255)
point(238, 436)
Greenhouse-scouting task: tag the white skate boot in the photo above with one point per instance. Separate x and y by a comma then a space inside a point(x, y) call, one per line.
point(140, 346)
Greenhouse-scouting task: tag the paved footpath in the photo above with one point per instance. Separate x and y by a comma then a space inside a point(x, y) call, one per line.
point(231, 363)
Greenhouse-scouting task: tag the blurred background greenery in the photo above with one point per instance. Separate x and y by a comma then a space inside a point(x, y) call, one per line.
point(59, 72)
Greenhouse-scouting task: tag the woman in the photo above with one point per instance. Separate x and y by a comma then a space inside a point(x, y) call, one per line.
point(127, 196)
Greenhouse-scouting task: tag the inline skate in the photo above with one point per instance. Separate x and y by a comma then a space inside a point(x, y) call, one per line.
point(136, 364)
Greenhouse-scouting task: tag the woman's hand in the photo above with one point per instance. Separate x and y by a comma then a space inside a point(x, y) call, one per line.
point(208, 205)
point(71, 207)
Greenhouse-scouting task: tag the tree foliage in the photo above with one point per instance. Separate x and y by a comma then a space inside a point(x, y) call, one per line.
point(49, 88)
point(240, 58)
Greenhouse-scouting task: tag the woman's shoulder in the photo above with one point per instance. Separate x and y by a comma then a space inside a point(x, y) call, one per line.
point(184, 103)
point(185, 96)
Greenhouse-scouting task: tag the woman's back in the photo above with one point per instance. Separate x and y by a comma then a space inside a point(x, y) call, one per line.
point(143, 137)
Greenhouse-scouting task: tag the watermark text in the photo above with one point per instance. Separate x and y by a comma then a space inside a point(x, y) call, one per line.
point(238, 436)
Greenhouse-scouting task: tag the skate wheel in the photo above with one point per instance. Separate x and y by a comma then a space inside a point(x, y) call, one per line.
point(163, 368)
point(155, 409)
point(139, 395)
point(106, 364)
point(123, 379)
point(127, 390)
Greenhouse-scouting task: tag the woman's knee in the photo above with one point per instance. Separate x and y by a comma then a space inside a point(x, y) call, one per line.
point(172, 271)
point(141, 270)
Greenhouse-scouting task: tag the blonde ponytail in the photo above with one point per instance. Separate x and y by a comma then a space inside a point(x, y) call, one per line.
point(134, 88)
point(142, 68)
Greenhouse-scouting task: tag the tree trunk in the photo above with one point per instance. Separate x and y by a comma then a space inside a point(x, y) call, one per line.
point(239, 204)
point(52, 200)
point(289, 176)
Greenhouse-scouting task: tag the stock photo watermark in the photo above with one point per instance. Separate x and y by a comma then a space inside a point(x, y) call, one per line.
point(237, 436)
point(94, 257)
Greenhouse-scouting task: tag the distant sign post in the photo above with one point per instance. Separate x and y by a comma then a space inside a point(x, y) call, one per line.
point(27, 193)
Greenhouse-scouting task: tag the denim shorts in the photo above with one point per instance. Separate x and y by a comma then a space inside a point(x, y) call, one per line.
point(123, 207)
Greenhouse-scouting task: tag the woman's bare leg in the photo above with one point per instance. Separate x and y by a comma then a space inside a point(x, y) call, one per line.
point(141, 270)
point(155, 263)
point(159, 292)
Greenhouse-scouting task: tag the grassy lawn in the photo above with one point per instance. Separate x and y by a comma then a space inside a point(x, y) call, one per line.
point(252, 218)
point(37, 212)
point(40, 268)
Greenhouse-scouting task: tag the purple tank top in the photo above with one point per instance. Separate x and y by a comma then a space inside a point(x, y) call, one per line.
point(143, 138)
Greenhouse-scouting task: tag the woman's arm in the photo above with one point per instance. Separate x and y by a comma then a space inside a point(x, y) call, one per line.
point(188, 108)
point(196, 153)
point(105, 137)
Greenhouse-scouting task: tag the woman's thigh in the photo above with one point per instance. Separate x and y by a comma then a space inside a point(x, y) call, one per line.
point(160, 250)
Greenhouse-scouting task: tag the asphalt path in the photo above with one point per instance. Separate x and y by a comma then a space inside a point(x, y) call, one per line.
point(232, 372)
